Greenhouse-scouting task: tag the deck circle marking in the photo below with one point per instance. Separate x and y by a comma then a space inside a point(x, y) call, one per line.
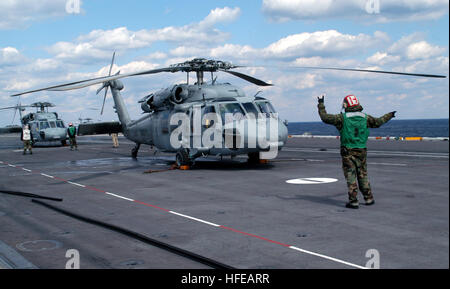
point(39, 245)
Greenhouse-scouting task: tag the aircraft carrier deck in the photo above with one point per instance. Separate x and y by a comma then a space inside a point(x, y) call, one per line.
point(245, 216)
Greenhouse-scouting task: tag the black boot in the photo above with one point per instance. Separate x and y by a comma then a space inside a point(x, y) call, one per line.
point(352, 205)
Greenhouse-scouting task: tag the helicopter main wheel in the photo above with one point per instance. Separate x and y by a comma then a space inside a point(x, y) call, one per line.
point(63, 142)
point(134, 151)
point(182, 158)
point(253, 158)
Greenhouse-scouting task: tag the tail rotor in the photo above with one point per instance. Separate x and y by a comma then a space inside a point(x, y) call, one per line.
point(106, 84)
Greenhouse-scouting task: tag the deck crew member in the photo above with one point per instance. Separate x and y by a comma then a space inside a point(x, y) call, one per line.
point(353, 126)
point(26, 137)
point(72, 132)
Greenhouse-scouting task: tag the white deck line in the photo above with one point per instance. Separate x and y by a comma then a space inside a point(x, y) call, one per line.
point(195, 219)
point(327, 257)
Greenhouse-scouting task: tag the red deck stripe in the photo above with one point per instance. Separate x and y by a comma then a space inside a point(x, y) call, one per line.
point(95, 189)
point(153, 206)
point(255, 236)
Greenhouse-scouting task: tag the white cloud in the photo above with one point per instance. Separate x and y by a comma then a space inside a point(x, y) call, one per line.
point(330, 42)
point(219, 15)
point(382, 58)
point(98, 44)
point(389, 10)
point(10, 56)
point(319, 43)
point(15, 14)
point(423, 50)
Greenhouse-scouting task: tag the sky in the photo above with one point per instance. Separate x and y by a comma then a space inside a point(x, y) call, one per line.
point(49, 42)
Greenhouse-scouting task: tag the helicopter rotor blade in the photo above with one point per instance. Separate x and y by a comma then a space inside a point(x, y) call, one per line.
point(374, 71)
point(248, 78)
point(100, 89)
point(105, 84)
point(15, 112)
point(10, 107)
point(93, 81)
point(104, 99)
point(112, 63)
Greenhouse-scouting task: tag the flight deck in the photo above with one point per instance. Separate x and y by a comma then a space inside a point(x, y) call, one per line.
point(286, 214)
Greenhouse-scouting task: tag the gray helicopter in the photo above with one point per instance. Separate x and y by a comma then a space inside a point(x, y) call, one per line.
point(200, 119)
point(46, 127)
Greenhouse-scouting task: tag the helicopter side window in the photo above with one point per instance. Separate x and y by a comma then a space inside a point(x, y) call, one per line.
point(231, 112)
point(60, 124)
point(52, 124)
point(251, 109)
point(206, 111)
point(43, 125)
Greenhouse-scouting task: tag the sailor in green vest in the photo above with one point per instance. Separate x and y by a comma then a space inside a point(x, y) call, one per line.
point(72, 132)
point(353, 126)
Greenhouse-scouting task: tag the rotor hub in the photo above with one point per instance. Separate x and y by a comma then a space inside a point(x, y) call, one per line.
point(202, 64)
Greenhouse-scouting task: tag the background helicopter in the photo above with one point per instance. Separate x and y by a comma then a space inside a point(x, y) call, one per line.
point(155, 128)
point(45, 126)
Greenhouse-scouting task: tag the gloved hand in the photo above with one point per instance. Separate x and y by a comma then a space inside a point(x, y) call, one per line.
point(393, 113)
point(321, 98)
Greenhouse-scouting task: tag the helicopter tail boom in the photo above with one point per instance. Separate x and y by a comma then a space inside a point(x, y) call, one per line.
point(119, 105)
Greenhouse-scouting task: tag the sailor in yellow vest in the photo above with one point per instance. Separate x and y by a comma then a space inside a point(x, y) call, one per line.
point(26, 137)
point(353, 126)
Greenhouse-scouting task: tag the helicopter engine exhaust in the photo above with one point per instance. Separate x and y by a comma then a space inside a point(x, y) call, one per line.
point(176, 94)
point(179, 93)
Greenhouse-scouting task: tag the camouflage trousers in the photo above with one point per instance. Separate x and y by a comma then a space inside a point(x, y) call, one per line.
point(73, 142)
point(26, 145)
point(354, 165)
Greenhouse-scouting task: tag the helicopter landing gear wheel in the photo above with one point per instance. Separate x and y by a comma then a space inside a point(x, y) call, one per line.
point(63, 143)
point(182, 158)
point(253, 158)
point(134, 151)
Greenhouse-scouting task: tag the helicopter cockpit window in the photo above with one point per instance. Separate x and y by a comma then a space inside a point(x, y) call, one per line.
point(52, 124)
point(231, 112)
point(266, 107)
point(60, 124)
point(251, 109)
point(44, 125)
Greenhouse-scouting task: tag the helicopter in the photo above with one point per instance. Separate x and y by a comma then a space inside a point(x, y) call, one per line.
point(45, 126)
point(200, 119)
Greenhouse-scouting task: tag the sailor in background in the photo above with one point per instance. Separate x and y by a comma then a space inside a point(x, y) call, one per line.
point(72, 132)
point(26, 137)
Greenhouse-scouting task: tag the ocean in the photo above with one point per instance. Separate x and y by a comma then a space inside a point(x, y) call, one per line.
point(394, 128)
